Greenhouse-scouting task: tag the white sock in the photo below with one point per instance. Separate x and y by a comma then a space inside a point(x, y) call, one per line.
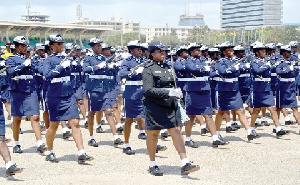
point(92, 137)
point(48, 152)
point(85, 120)
point(249, 131)
point(152, 163)
point(86, 114)
point(8, 164)
point(287, 118)
point(263, 119)
point(17, 143)
point(278, 129)
point(187, 138)
point(98, 126)
point(163, 130)
point(80, 152)
point(215, 137)
point(65, 129)
point(228, 124)
point(203, 126)
point(184, 161)
point(218, 133)
point(119, 125)
point(252, 128)
point(126, 145)
point(39, 142)
point(142, 131)
point(116, 136)
point(234, 122)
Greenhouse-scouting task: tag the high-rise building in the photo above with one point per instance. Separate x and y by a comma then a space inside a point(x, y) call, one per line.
point(189, 20)
point(250, 14)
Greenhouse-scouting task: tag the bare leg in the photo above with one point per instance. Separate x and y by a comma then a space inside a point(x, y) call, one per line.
point(233, 116)
point(36, 127)
point(189, 125)
point(219, 119)
point(8, 107)
point(81, 107)
point(274, 115)
point(110, 119)
point(127, 129)
point(254, 115)
point(210, 124)
point(296, 115)
point(200, 119)
point(76, 132)
point(117, 113)
point(242, 117)
point(227, 116)
point(16, 127)
point(177, 141)
point(141, 123)
point(46, 119)
point(51, 134)
point(91, 122)
point(152, 139)
point(4, 151)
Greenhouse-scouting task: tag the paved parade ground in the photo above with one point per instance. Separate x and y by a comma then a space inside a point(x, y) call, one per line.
point(266, 160)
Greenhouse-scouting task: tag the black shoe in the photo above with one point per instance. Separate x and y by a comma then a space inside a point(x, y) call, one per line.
point(86, 125)
point(230, 128)
point(204, 131)
point(120, 130)
point(93, 143)
point(235, 125)
point(122, 119)
point(251, 136)
point(219, 142)
point(289, 122)
point(102, 122)
point(265, 123)
point(68, 125)
point(42, 124)
point(7, 140)
point(27, 118)
point(274, 130)
point(164, 135)
point(282, 132)
point(52, 158)
point(188, 168)
point(160, 148)
point(191, 143)
point(142, 136)
point(41, 148)
point(255, 133)
point(118, 142)
point(128, 151)
point(83, 158)
point(99, 130)
point(221, 138)
point(258, 124)
point(20, 131)
point(155, 171)
point(67, 135)
point(13, 169)
point(17, 149)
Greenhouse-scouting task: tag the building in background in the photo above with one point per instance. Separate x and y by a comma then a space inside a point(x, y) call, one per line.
point(190, 20)
point(252, 14)
point(119, 25)
point(34, 16)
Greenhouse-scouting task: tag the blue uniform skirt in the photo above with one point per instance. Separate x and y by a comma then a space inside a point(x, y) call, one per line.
point(24, 103)
point(262, 99)
point(229, 100)
point(159, 117)
point(44, 100)
point(2, 122)
point(100, 101)
point(286, 96)
point(134, 108)
point(245, 94)
point(198, 103)
point(79, 93)
point(213, 85)
point(84, 91)
point(62, 108)
point(5, 94)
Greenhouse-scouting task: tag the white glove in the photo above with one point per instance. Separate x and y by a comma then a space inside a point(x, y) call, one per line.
point(2, 63)
point(291, 67)
point(268, 63)
point(139, 70)
point(111, 65)
point(237, 67)
point(247, 65)
point(27, 62)
point(101, 65)
point(65, 64)
point(74, 63)
point(176, 92)
point(207, 68)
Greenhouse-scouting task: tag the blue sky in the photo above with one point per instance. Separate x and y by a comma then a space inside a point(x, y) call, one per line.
point(151, 12)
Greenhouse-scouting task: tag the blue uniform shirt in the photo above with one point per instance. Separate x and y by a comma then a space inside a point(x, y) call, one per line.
point(180, 71)
point(261, 75)
point(22, 78)
point(229, 76)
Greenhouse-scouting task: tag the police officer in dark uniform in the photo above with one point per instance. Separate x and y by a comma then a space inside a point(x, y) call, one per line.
point(61, 99)
point(24, 98)
point(162, 108)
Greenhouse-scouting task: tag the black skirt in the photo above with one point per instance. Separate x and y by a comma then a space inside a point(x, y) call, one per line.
point(161, 117)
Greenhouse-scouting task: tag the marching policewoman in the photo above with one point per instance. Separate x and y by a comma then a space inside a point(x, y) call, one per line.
point(61, 99)
point(161, 108)
point(286, 88)
point(24, 98)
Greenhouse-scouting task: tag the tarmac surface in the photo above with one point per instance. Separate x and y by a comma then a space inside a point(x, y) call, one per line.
point(266, 160)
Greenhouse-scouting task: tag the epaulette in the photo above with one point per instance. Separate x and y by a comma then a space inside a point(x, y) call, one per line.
point(149, 64)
